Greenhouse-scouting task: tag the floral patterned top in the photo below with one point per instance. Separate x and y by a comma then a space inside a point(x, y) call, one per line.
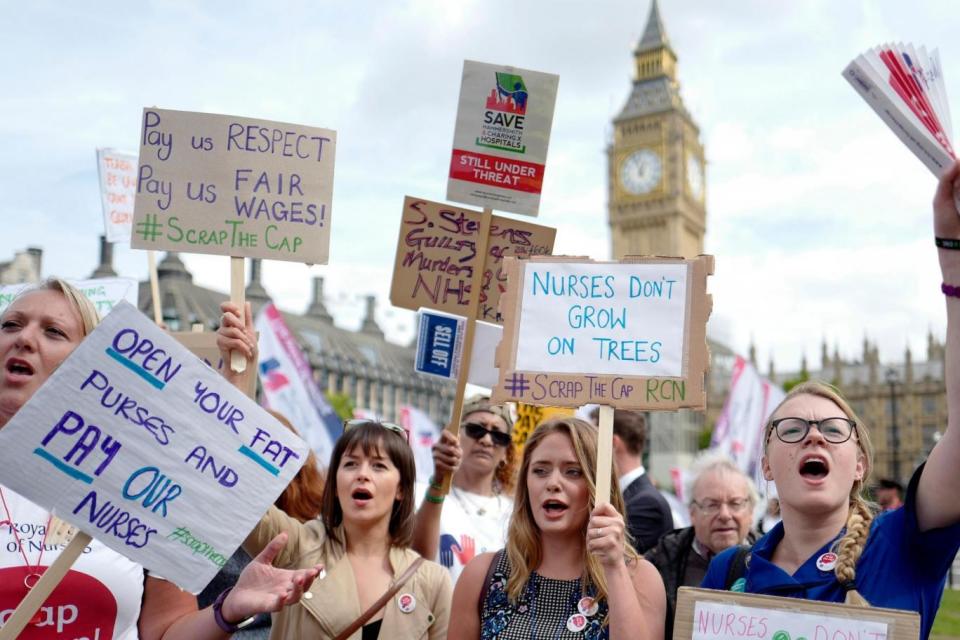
point(548, 609)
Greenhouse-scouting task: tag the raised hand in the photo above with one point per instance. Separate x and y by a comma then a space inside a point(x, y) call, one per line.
point(605, 538)
point(446, 455)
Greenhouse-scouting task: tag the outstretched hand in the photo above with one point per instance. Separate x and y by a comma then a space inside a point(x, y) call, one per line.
point(263, 588)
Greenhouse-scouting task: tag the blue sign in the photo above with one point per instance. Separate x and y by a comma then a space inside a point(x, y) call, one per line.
point(438, 344)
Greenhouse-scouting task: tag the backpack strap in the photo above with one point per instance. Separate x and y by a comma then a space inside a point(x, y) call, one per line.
point(737, 567)
point(487, 580)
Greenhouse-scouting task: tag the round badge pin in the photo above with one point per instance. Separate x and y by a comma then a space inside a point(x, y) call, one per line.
point(827, 561)
point(576, 622)
point(406, 602)
point(588, 606)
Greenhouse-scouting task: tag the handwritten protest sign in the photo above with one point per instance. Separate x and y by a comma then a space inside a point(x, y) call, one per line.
point(104, 293)
point(628, 334)
point(704, 614)
point(143, 446)
point(234, 186)
point(437, 257)
point(501, 137)
point(203, 344)
point(529, 416)
point(118, 182)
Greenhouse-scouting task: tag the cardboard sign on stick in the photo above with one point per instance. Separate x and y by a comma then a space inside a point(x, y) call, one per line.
point(501, 137)
point(437, 255)
point(706, 614)
point(440, 348)
point(118, 188)
point(141, 445)
point(234, 186)
point(628, 334)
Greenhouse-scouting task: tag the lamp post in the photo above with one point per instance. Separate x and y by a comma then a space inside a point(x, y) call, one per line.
point(892, 380)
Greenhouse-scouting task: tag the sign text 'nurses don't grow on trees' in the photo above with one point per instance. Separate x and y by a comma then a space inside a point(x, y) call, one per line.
point(234, 186)
point(628, 334)
point(144, 447)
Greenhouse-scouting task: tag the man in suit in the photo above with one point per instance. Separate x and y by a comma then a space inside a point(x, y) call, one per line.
point(648, 514)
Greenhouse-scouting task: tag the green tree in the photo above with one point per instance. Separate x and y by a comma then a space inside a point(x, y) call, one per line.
point(342, 404)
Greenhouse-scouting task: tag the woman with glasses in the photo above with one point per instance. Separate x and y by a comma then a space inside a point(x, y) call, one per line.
point(362, 537)
point(472, 518)
point(829, 545)
point(567, 570)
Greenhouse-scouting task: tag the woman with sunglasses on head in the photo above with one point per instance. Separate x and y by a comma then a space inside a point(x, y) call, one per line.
point(473, 517)
point(830, 545)
point(568, 570)
point(362, 538)
point(104, 593)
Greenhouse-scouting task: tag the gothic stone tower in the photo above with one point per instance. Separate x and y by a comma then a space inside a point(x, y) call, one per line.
point(656, 178)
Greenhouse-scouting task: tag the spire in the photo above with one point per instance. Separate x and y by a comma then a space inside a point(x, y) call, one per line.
point(654, 35)
point(172, 267)
point(370, 325)
point(317, 308)
point(105, 268)
point(255, 291)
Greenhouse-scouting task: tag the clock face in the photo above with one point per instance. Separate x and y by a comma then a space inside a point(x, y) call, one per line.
point(641, 171)
point(695, 176)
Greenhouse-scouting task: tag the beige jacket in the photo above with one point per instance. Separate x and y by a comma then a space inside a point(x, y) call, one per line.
point(335, 603)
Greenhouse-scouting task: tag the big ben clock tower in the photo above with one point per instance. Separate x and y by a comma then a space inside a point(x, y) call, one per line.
point(656, 162)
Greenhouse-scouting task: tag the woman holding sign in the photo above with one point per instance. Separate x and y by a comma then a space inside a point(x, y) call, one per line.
point(567, 570)
point(373, 579)
point(830, 546)
point(104, 595)
point(483, 461)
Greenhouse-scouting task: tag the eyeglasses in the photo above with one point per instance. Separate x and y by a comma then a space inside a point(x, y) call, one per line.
point(835, 430)
point(357, 422)
point(477, 431)
point(712, 507)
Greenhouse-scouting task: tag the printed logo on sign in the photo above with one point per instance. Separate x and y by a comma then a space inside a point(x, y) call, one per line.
point(504, 115)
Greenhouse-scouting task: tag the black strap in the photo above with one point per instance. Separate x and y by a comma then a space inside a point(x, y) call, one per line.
point(738, 566)
point(487, 580)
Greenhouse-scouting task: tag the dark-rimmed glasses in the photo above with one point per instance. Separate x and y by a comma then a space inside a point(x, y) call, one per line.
point(477, 431)
point(833, 430)
point(712, 507)
point(356, 422)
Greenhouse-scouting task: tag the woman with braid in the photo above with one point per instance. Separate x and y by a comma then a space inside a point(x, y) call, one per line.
point(829, 545)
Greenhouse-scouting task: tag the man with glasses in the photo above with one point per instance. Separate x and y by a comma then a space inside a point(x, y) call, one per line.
point(722, 499)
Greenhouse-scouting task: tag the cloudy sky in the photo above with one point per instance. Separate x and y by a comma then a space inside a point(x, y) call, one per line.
point(819, 219)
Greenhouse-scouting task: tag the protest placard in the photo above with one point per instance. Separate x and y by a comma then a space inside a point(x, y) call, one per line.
point(706, 614)
point(144, 447)
point(629, 334)
point(203, 344)
point(104, 293)
point(437, 256)
point(118, 182)
point(502, 133)
point(234, 186)
point(529, 416)
point(439, 352)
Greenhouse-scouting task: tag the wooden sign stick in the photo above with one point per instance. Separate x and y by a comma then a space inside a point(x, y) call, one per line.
point(604, 455)
point(154, 287)
point(44, 587)
point(476, 284)
point(238, 362)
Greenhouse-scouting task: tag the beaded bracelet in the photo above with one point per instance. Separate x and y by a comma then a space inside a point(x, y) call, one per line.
point(433, 499)
point(947, 243)
point(950, 290)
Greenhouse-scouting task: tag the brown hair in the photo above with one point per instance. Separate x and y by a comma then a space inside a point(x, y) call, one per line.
point(372, 436)
point(303, 497)
point(850, 546)
point(523, 542)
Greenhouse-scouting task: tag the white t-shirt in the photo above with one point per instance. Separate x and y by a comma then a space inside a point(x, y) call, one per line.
point(465, 532)
point(99, 598)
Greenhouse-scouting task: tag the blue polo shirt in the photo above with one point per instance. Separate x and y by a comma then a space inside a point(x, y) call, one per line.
point(901, 567)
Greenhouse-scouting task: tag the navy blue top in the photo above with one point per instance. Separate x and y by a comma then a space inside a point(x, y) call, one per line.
point(901, 567)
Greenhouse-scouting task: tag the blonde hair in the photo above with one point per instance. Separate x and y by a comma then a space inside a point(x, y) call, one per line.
point(850, 546)
point(524, 549)
point(89, 318)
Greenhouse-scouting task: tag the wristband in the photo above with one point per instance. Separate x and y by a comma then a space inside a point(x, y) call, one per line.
point(434, 484)
point(950, 291)
point(433, 499)
point(947, 243)
point(229, 627)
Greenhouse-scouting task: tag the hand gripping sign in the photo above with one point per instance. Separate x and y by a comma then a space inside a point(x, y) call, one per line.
point(628, 334)
point(143, 446)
